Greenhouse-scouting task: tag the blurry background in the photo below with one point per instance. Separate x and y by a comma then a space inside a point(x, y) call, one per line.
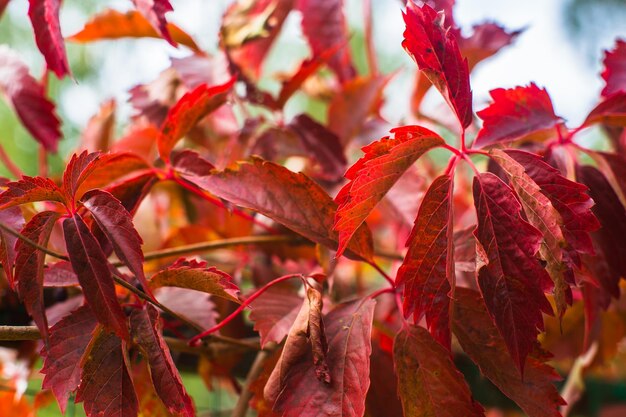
point(561, 50)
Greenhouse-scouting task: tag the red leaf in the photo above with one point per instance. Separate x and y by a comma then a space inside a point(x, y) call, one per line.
point(427, 271)
point(28, 98)
point(131, 192)
point(13, 218)
point(30, 190)
point(190, 165)
point(188, 111)
point(106, 387)
point(117, 224)
point(99, 132)
point(348, 332)
point(535, 392)
point(436, 52)
point(197, 276)
point(428, 382)
point(375, 173)
point(62, 357)
point(486, 40)
point(610, 112)
point(76, 171)
point(29, 264)
point(111, 24)
point(324, 26)
point(289, 198)
point(191, 304)
point(516, 113)
point(148, 333)
point(59, 274)
point(512, 281)
point(568, 197)
point(44, 15)
point(92, 269)
point(273, 313)
point(322, 144)
point(154, 11)
point(615, 69)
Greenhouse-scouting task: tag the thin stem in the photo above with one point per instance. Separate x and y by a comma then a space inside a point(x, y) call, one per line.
point(242, 307)
point(11, 167)
point(380, 292)
point(241, 408)
point(452, 149)
point(454, 159)
point(463, 147)
point(384, 274)
point(31, 242)
point(370, 50)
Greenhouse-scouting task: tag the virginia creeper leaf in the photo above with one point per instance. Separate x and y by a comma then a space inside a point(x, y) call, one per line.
point(99, 132)
point(317, 334)
point(512, 281)
point(117, 224)
point(106, 387)
point(13, 218)
point(516, 113)
point(28, 98)
point(479, 338)
point(44, 15)
point(485, 41)
point(615, 69)
point(299, 393)
point(273, 313)
point(59, 274)
point(428, 382)
point(68, 341)
point(30, 190)
point(375, 173)
point(29, 265)
point(289, 198)
point(154, 12)
point(111, 24)
point(92, 269)
point(436, 51)
point(427, 271)
point(197, 276)
point(540, 213)
point(610, 112)
point(188, 111)
point(324, 25)
point(148, 334)
point(191, 304)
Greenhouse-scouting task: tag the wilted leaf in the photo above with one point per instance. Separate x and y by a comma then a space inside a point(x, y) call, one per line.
point(104, 365)
point(44, 15)
point(188, 111)
point(289, 198)
point(148, 334)
point(512, 281)
point(516, 113)
point(535, 392)
point(111, 24)
point(436, 51)
point(375, 173)
point(68, 341)
point(197, 276)
point(28, 98)
point(428, 382)
point(92, 269)
point(427, 271)
point(29, 265)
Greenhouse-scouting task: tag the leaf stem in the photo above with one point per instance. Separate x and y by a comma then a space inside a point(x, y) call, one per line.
point(10, 166)
point(384, 274)
point(194, 340)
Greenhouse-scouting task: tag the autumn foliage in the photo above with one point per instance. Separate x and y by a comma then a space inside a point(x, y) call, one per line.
point(366, 274)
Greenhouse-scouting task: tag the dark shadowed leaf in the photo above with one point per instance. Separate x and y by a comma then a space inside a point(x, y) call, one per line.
point(191, 304)
point(289, 198)
point(427, 271)
point(111, 24)
point(92, 269)
point(197, 276)
point(44, 15)
point(13, 218)
point(28, 98)
point(104, 365)
point(29, 266)
point(435, 50)
point(68, 341)
point(59, 274)
point(273, 313)
point(132, 191)
point(516, 113)
point(375, 173)
point(147, 331)
point(535, 393)
point(188, 111)
point(300, 393)
point(513, 279)
point(615, 69)
point(117, 225)
point(324, 25)
point(428, 382)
